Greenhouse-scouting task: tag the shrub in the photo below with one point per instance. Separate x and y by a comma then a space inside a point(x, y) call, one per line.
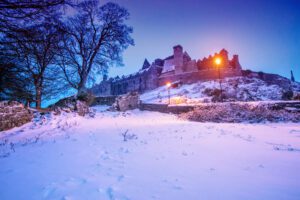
point(237, 112)
point(261, 75)
point(287, 95)
point(296, 96)
point(246, 72)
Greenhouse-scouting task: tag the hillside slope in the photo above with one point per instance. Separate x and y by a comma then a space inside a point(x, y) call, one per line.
point(235, 89)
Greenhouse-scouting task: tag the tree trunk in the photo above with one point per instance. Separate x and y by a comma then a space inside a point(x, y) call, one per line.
point(81, 85)
point(38, 97)
point(81, 89)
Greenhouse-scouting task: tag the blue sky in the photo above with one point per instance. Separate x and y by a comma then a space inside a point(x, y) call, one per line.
point(265, 33)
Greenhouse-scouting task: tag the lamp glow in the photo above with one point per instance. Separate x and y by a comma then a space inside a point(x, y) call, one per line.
point(168, 84)
point(218, 61)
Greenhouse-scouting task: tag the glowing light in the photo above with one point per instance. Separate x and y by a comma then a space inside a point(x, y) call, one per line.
point(178, 100)
point(168, 84)
point(218, 61)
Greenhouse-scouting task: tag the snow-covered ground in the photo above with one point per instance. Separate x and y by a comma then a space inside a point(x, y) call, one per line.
point(146, 155)
point(239, 88)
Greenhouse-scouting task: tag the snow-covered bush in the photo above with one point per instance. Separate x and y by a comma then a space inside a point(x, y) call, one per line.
point(296, 96)
point(241, 112)
point(287, 95)
point(127, 136)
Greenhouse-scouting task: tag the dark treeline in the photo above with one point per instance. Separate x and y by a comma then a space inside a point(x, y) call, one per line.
point(48, 47)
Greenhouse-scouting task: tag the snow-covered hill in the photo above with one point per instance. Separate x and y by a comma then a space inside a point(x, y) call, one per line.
point(239, 89)
point(147, 155)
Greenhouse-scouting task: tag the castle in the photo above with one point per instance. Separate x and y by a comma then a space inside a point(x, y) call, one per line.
point(179, 68)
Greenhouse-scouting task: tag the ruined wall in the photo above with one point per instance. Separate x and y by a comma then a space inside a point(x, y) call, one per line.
point(143, 80)
point(105, 100)
point(165, 108)
point(178, 67)
point(202, 75)
point(103, 89)
point(13, 114)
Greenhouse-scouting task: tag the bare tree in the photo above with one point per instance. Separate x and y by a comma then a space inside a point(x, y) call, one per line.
point(14, 85)
point(28, 41)
point(24, 9)
point(35, 49)
point(14, 14)
point(94, 40)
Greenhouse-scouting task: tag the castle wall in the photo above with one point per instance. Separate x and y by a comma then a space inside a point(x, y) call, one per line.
point(178, 67)
point(140, 82)
point(103, 89)
point(203, 75)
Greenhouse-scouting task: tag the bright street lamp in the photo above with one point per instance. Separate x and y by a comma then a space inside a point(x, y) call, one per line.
point(169, 87)
point(218, 62)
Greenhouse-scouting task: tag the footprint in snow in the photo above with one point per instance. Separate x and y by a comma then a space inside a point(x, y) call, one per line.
point(209, 127)
point(113, 195)
point(176, 187)
point(105, 157)
point(173, 186)
point(247, 138)
point(294, 131)
point(123, 150)
point(120, 178)
point(283, 147)
point(184, 153)
point(67, 198)
point(261, 166)
point(48, 191)
point(75, 181)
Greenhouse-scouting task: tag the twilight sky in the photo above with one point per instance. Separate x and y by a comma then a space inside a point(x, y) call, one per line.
point(264, 33)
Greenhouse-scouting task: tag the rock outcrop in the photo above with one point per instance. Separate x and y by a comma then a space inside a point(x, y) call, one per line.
point(71, 104)
point(13, 114)
point(127, 101)
point(82, 108)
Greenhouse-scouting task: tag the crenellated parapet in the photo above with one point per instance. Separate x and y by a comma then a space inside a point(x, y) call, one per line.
point(226, 63)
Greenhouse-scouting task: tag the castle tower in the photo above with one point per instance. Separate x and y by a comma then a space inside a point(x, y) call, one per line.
point(146, 64)
point(178, 58)
point(235, 62)
point(224, 54)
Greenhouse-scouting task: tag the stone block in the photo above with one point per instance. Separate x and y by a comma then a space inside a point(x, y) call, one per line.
point(13, 114)
point(126, 102)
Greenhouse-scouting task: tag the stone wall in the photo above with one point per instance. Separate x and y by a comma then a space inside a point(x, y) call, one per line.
point(127, 101)
point(13, 114)
point(106, 100)
point(293, 106)
point(165, 108)
point(202, 75)
point(236, 112)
